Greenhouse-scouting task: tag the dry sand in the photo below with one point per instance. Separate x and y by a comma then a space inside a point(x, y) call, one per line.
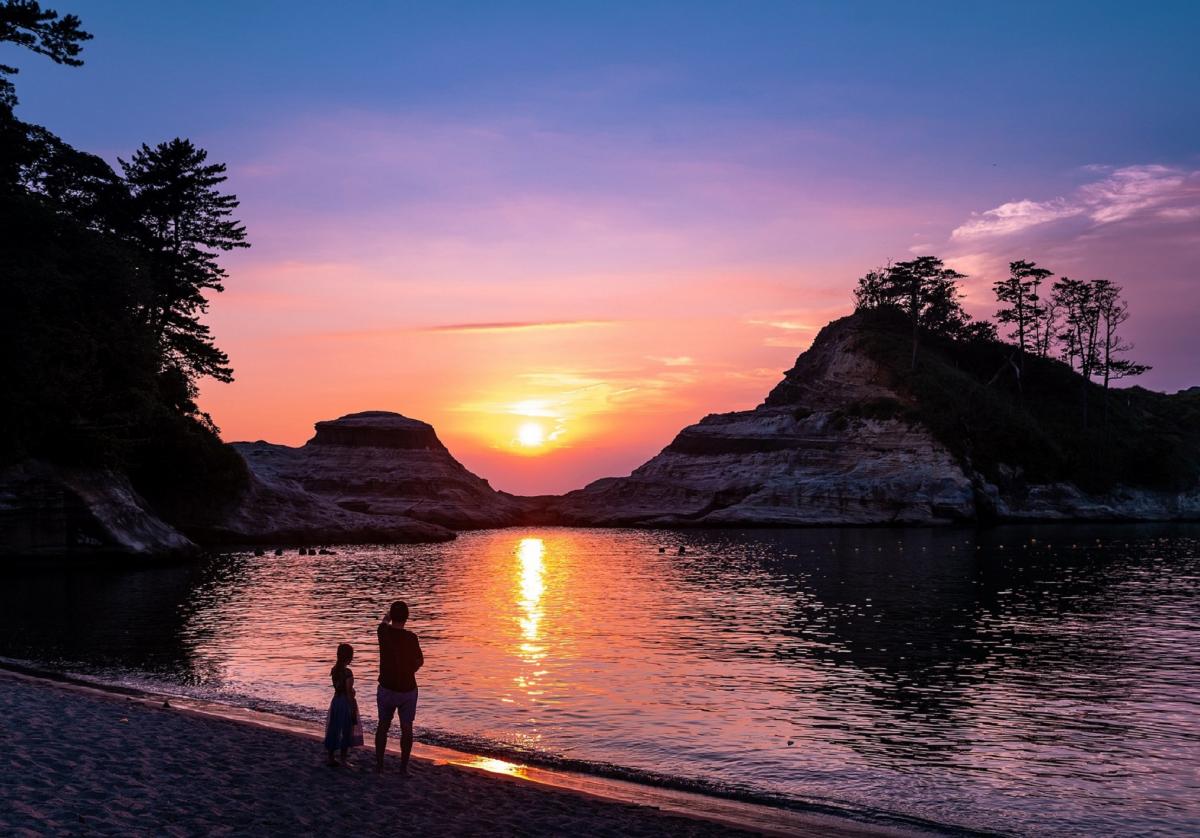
point(77, 761)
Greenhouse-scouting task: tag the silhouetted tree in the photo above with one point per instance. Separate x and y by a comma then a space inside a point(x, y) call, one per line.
point(1113, 311)
point(1074, 300)
point(1081, 324)
point(927, 292)
point(873, 290)
point(73, 182)
point(979, 330)
point(1019, 298)
point(26, 24)
point(183, 222)
point(1046, 324)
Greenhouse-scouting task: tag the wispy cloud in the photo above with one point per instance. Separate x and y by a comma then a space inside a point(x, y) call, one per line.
point(1122, 194)
point(676, 361)
point(1015, 216)
point(785, 325)
point(784, 330)
point(515, 326)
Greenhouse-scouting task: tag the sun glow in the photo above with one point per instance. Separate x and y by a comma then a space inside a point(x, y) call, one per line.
point(531, 435)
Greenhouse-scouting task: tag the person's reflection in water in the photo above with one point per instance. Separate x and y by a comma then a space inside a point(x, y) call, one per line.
point(399, 659)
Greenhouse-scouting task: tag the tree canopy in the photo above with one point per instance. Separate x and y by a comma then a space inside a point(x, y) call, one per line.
point(26, 24)
point(928, 294)
point(182, 222)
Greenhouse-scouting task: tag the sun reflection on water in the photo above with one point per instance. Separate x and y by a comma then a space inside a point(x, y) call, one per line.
point(530, 588)
point(531, 585)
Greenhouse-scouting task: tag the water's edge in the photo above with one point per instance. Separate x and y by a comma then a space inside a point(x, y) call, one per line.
point(741, 807)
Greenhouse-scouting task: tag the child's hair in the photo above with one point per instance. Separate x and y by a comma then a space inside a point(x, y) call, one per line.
point(344, 653)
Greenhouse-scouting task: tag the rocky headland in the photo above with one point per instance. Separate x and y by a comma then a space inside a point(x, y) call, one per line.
point(843, 440)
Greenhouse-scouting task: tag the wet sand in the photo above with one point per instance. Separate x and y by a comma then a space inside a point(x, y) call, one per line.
point(82, 761)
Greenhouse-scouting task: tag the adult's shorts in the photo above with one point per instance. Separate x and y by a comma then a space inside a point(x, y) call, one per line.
point(390, 701)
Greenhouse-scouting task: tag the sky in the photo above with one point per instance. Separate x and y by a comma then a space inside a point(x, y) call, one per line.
point(560, 232)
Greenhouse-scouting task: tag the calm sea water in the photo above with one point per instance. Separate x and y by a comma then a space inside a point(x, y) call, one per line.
point(1019, 680)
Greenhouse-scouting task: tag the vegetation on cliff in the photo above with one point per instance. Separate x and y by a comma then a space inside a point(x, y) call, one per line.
point(104, 276)
point(1029, 417)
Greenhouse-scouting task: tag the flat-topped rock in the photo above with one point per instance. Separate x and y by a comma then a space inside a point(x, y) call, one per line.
point(377, 429)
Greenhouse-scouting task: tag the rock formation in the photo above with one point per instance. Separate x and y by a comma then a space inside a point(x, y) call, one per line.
point(834, 443)
point(366, 470)
point(51, 510)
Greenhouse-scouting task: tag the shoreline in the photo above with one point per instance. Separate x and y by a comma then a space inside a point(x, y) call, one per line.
point(495, 778)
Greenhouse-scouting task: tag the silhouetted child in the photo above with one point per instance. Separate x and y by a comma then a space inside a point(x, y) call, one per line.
point(342, 728)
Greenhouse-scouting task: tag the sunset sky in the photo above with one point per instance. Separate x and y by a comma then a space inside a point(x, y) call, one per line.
point(561, 232)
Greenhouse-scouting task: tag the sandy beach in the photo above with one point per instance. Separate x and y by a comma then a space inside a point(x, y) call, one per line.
point(81, 761)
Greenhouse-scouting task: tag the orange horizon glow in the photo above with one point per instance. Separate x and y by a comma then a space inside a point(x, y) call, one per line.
point(536, 406)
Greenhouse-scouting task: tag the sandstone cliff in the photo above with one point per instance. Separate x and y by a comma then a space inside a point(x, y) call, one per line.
point(838, 441)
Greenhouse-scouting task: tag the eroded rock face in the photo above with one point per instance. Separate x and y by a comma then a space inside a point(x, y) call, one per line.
point(276, 511)
point(833, 443)
point(50, 510)
point(377, 466)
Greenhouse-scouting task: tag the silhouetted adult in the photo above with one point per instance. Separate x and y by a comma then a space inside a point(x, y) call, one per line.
point(399, 659)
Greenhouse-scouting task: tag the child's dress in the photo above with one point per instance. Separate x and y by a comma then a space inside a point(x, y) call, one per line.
point(342, 728)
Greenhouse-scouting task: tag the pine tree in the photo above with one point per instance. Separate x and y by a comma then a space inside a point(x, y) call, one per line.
point(1020, 294)
point(872, 290)
point(26, 24)
point(927, 292)
point(182, 223)
point(1113, 311)
point(1081, 324)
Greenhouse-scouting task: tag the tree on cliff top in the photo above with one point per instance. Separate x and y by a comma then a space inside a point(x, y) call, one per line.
point(26, 24)
point(1021, 310)
point(1114, 311)
point(183, 222)
point(927, 292)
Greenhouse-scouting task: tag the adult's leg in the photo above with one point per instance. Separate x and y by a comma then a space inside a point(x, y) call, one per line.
point(406, 740)
point(386, 709)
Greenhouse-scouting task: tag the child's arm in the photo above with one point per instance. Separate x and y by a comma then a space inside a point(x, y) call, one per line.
point(350, 684)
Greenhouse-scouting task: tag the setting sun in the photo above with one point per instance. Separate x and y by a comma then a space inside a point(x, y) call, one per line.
point(531, 435)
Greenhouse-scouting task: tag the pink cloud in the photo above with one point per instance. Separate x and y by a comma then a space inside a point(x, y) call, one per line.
point(1124, 193)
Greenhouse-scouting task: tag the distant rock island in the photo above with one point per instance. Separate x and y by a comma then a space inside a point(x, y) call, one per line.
point(368, 472)
point(850, 436)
